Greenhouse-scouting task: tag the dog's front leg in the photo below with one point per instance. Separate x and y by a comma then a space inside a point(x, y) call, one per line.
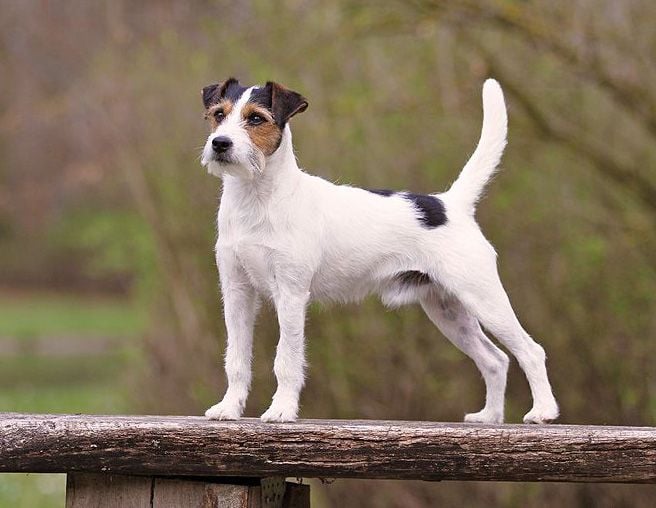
point(240, 304)
point(289, 365)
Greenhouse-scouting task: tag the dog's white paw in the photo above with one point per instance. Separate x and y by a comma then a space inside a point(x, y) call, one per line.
point(541, 414)
point(280, 413)
point(484, 416)
point(224, 410)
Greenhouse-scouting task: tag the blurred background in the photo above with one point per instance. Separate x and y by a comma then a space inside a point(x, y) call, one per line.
point(108, 292)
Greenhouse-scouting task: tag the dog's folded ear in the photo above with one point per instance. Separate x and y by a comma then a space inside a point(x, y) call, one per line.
point(285, 103)
point(212, 94)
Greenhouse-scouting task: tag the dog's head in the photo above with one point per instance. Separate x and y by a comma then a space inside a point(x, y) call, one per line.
point(247, 125)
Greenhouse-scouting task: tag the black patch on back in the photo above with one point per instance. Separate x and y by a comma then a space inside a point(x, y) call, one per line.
point(382, 192)
point(413, 278)
point(431, 208)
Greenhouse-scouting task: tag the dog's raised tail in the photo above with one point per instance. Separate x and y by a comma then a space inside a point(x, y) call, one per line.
point(481, 166)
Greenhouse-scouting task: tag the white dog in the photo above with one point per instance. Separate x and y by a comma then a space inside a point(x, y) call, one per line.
point(292, 237)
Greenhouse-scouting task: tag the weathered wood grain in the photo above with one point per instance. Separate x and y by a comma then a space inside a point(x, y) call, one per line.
point(102, 490)
point(174, 493)
point(194, 446)
point(108, 491)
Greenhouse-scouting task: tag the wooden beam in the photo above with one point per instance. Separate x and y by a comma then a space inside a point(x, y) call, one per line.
point(194, 446)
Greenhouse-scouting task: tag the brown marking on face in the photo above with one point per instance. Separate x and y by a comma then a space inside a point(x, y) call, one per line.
point(224, 106)
point(266, 135)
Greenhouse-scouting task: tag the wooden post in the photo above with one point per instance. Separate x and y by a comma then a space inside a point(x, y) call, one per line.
point(97, 490)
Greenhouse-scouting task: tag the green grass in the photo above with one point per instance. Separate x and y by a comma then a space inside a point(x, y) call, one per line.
point(98, 398)
point(67, 372)
point(25, 315)
point(32, 490)
point(32, 383)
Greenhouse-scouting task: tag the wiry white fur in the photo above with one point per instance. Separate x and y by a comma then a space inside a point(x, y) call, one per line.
point(483, 163)
point(291, 237)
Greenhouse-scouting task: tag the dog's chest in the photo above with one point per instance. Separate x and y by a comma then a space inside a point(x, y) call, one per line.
point(257, 261)
point(265, 249)
point(255, 251)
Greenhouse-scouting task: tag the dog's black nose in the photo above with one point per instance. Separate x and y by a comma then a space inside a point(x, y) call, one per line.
point(221, 144)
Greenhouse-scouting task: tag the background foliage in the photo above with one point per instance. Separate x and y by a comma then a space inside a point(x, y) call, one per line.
point(101, 194)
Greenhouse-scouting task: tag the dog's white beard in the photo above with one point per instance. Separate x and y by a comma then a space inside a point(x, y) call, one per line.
point(256, 161)
point(215, 169)
point(250, 167)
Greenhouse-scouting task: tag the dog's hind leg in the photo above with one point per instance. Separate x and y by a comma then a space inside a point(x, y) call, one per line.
point(463, 330)
point(481, 292)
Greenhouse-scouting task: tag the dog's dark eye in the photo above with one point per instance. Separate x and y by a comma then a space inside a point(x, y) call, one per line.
point(255, 119)
point(219, 116)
